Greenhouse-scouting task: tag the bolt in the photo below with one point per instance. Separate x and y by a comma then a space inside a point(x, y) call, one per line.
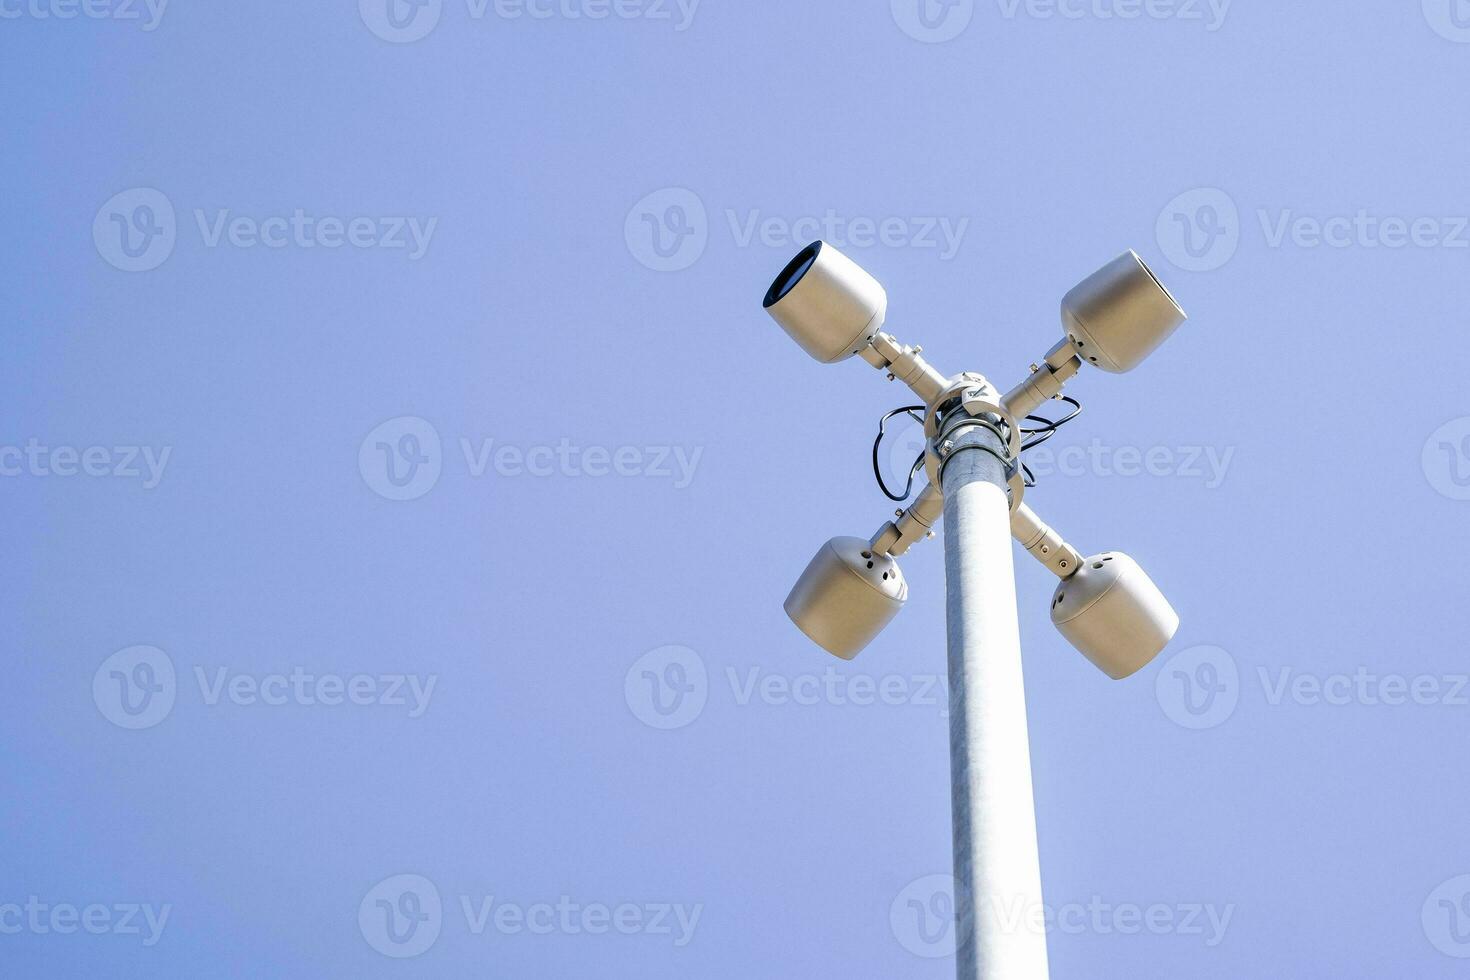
point(1035, 368)
point(890, 377)
point(1063, 563)
point(929, 535)
point(898, 513)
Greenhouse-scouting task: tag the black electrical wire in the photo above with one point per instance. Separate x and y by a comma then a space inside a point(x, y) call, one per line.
point(1043, 430)
point(908, 487)
point(1046, 428)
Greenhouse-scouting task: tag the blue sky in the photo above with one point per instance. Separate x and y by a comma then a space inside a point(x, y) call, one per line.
point(401, 482)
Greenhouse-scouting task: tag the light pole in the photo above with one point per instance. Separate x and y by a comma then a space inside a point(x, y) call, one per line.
point(1106, 605)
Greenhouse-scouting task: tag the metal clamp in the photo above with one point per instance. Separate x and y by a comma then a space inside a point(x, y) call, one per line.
point(970, 400)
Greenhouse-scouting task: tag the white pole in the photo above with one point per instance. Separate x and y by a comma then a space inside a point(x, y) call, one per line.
point(999, 928)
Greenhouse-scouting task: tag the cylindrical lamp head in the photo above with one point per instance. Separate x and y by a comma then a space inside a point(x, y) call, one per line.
point(1120, 314)
point(827, 303)
point(846, 596)
point(1114, 614)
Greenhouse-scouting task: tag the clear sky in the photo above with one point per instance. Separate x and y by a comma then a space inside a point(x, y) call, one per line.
point(401, 482)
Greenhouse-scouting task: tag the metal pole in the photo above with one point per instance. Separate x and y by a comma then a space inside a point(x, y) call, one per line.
point(999, 928)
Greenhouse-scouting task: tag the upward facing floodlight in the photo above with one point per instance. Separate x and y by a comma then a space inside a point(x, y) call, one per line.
point(1105, 606)
point(827, 303)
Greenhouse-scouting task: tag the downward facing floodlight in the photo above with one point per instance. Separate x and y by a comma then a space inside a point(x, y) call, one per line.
point(1119, 315)
point(1114, 614)
point(846, 596)
point(827, 303)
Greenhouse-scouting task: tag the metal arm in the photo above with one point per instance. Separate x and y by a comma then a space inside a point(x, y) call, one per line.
point(1046, 381)
point(907, 365)
point(915, 523)
point(1045, 544)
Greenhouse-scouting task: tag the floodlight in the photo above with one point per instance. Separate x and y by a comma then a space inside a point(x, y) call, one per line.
point(827, 303)
point(1119, 315)
point(846, 596)
point(1114, 614)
